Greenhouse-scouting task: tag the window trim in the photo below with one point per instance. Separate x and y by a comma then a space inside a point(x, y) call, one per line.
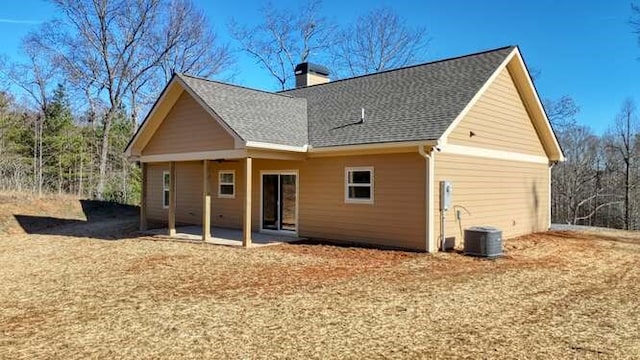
point(165, 188)
point(220, 183)
point(349, 200)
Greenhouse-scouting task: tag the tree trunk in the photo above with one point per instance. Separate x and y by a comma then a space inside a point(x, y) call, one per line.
point(40, 158)
point(35, 154)
point(125, 181)
point(80, 176)
point(59, 176)
point(104, 155)
point(627, 188)
point(134, 113)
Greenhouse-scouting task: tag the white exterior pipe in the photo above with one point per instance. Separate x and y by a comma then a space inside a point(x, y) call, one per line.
point(429, 165)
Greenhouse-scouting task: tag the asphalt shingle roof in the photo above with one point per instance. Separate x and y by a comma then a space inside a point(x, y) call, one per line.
point(255, 115)
point(407, 104)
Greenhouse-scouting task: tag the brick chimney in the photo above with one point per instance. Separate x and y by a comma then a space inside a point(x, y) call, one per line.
point(308, 74)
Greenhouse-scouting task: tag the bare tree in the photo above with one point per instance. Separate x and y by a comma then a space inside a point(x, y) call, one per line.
point(193, 48)
point(105, 48)
point(623, 142)
point(285, 38)
point(5, 101)
point(634, 21)
point(378, 41)
point(577, 187)
point(35, 77)
point(196, 51)
point(561, 112)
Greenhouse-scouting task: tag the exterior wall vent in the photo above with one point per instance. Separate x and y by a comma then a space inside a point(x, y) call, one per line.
point(483, 241)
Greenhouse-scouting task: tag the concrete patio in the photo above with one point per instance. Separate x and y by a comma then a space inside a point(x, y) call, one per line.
point(222, 236)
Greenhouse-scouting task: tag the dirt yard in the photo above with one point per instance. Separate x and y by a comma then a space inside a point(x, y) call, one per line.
point(80, 288)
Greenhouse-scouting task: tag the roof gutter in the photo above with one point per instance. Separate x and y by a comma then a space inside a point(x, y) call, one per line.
point(328, 149)
point(278, 147)
point(371, 146)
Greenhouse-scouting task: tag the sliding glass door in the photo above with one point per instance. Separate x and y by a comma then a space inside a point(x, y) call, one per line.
point(279, 201)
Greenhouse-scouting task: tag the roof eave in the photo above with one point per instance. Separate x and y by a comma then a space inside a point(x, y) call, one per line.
point(553, 147)
point(278, 147)
point(371, 146)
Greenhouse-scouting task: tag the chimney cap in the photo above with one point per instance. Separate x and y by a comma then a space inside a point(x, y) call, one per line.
point(308, 67)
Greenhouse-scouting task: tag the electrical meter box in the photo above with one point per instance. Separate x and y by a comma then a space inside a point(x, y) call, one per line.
point(446, 190)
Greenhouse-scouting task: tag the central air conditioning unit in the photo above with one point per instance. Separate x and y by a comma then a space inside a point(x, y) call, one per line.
point(483, 241)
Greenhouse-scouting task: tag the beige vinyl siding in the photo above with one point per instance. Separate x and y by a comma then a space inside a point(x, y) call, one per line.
point(188, 128)
point(396, 218)
point(510, 195)
point(224, 212)
point(154, 192)
point(499, 120)
point(227, 212)
point(189, 192)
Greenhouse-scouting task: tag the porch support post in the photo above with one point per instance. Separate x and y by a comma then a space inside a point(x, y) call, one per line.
point(246, 238)
point(206, 202)
point(143, 197)
point(172, 199)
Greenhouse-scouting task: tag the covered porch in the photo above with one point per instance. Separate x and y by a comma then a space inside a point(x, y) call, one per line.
point(193, 131)
point(231, 198)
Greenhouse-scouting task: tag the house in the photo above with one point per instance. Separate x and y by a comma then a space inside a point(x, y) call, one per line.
point(357, 160)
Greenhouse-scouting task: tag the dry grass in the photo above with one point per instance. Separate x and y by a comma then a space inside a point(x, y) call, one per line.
point(14, 203)
point(555, 295)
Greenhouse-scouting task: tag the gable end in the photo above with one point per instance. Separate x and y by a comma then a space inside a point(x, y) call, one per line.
point(188, 128)
point(499, 120)
point(506, 115)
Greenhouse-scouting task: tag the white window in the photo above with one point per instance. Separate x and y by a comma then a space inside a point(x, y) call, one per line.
point(226, 184)
point(166, 183)
point(359, 185)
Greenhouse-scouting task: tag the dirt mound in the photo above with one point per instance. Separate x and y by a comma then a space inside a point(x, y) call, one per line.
point(23, 213)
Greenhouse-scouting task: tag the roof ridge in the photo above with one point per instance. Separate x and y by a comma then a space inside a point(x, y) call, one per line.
point(404, 68)
point(235, 85)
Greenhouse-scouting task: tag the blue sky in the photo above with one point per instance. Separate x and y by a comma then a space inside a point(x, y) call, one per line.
point(584, 49)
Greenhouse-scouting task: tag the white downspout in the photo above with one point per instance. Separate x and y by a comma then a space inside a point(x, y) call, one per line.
point(429, 165)
point(551, 165)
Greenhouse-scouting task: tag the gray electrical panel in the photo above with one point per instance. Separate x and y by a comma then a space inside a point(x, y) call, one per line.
point(446, 192)
point(484, 241)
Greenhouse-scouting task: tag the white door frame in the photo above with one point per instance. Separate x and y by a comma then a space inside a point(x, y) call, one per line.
point(279, 172)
